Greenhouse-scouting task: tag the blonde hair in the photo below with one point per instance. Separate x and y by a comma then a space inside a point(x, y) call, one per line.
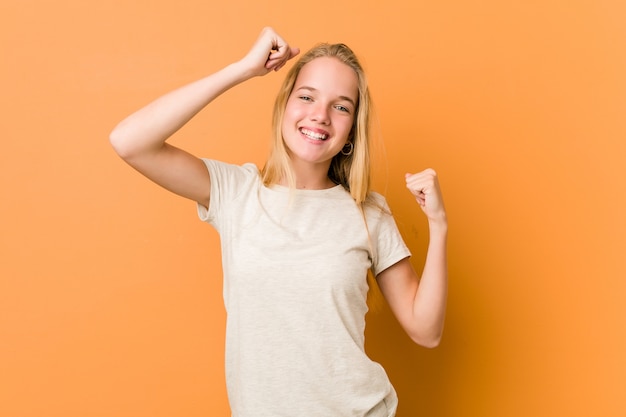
point(352, 171)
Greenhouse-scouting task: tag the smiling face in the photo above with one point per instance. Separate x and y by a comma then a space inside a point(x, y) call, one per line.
point(320, 112)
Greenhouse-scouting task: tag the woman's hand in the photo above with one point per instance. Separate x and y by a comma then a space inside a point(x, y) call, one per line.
point(269, 53)
point(425, 187)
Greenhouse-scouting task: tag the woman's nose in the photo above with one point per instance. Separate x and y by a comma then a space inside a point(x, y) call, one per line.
point(320, 114)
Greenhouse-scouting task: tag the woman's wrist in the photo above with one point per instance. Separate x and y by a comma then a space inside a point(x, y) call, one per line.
point(438, 226)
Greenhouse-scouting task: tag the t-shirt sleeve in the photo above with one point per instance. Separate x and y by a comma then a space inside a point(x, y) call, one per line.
point(227, 182)
point(389, 246)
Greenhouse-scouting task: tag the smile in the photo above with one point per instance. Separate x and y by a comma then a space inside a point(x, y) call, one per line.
point(313, 135)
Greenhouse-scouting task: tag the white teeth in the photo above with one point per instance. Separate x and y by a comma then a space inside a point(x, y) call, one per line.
point(313, 135)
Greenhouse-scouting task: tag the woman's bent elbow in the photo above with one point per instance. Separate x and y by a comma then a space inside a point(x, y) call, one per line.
point(429, 341)
point(118, 143)
point(122, 145)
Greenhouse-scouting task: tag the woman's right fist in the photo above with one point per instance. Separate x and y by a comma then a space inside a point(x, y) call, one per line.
point(269, 53)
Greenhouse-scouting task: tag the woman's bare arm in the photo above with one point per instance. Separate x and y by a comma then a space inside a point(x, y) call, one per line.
point(420, 303)
point(140, 139)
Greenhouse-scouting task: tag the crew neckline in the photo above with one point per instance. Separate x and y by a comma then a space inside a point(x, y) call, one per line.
point(304, 191)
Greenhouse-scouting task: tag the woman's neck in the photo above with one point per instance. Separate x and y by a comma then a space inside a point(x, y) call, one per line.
point(310, 178)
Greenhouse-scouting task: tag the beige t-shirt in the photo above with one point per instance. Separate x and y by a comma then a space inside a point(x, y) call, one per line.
point(295, 288)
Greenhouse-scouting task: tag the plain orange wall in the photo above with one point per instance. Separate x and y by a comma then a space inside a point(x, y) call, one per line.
point(110, 288)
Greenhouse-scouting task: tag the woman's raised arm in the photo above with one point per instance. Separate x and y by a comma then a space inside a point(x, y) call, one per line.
point(419, 303)
point(140, 139)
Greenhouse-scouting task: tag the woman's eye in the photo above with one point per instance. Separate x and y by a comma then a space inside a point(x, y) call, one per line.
point(305, 98)
point(343, 108)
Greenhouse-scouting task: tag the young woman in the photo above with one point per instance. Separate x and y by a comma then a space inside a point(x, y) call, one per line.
point(299, 236)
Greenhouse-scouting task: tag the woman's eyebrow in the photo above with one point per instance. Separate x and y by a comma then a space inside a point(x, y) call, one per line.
point(313, 90)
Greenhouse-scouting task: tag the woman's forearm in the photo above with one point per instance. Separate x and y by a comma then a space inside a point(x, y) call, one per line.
point(430, 299)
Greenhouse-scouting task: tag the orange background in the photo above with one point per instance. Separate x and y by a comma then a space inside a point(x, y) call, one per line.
point(110, 289)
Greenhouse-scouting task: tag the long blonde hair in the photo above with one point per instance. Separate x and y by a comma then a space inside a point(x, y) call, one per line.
point(352, 171)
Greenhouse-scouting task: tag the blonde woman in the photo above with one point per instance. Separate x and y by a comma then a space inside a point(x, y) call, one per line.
point(300, 236)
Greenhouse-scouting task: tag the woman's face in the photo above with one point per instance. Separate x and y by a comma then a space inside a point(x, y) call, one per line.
point(320, 111)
